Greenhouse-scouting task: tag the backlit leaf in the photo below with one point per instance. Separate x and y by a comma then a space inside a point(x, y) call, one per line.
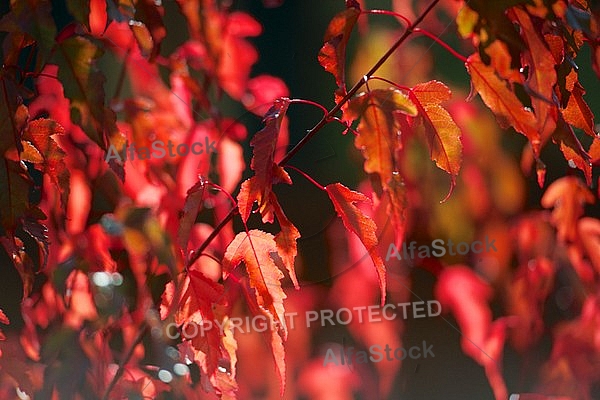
point(193, 205)
point(332, 55)
point(502, 101)
point(361, 225)
point(286, 240)
point(266, 171)
point(577, 112)
point(568, 196)
point(442, 133)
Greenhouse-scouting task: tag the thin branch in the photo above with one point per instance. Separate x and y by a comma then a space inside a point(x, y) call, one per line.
point(326, 119)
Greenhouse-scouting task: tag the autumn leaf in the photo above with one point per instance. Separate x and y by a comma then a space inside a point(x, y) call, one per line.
point(150, 14)
point(254, 248)
point(542, 75)
point(572, 149)
point(39, 133)
point(361, 225)
point(577, 112)
point(502, 101)
point(378, 137)
point(84, 86)
point(198, 295)
point(14, 199)
point(332, 55)
point(568, 196)
point(191, 208)
point(266, 171)
point(286, 240)
point(442, 133)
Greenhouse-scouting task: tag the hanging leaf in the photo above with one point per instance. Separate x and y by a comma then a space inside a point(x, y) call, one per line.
point(150, 14)
point(191, 208)
point(84, 86)
point(286, 240)
point(266, 171)
point(577, 112)
point(39, 133)
point(199, 295)
point(568, 196)
point(502, 101)
point(442, 133)
point(254, 249)
point(572, 149)
point(343, 200)
point(541, 75)
point(378, 137)
point(332, 55)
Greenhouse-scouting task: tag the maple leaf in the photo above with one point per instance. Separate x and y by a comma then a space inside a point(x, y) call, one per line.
point(266, 171)
point(198, 295)
point(254, 248)
point(39, 133)
point(442, 133)
point(502, 101)
point(191, 208)
point(572, 149)
point(343, 200)
point(568, 196)
point(286, 240)
point(577, 112)
point(83, 85)
point(332, 55)
point(542, 75)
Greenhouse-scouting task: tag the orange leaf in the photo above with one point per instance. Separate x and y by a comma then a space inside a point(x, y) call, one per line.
point(568, 196)
point(343, 200)
point(39, 133)
point(577, 112)
point(196, 305)
point(378, 137)
point(443, 135)
point(286, 240)
point(332, 55)
point(254, 249)
point(542, 75)
point(502, 101)
point(266, 171)
point(572, 149)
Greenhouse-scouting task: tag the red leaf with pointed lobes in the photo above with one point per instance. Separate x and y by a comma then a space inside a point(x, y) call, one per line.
point(572, 149)
point(198, 295)
point(343, 200)
point(39, 133)
point(286, 240)
point(542, 75)
point(254, 249)
point(332, 55)
point(577, 112)
point(568, 196)
point(193, 205)
point(502, 101)
point(442, 133)
point(258, 188)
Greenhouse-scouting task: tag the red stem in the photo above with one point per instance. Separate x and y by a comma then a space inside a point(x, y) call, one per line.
point(441, 43)
point(326, 118)
point(304, 174)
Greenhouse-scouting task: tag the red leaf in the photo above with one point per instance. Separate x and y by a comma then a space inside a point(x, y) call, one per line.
point(254, 249)
point(443, 135)
point(199, 294)
point(332, 55)
point(568, 196)
point(193, 205)
point(343, 200)
point(286, 240)
point(39, 133)
point(577, 112)
point(262, 91)
point(572, 149)
point(502, 101)
point(266, 171)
